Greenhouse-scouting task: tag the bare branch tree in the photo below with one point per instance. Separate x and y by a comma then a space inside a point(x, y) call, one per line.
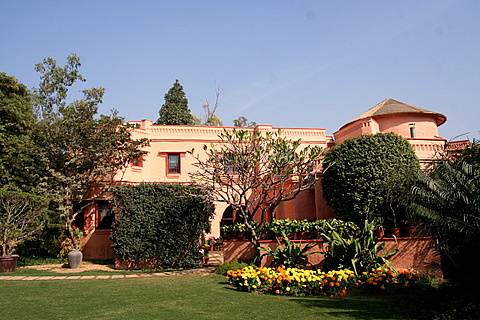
point(255, 171)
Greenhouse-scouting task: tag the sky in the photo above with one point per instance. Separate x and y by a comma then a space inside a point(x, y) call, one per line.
point(286, 63)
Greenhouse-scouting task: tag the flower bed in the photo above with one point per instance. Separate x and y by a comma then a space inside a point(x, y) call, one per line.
point(291, 281)
point(294, 281)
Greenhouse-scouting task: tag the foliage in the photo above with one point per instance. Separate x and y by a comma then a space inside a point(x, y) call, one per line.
point(365, 176)
point(17, 152)
point(255, 171)
point(243, 122)
point(292, 281)
point(289, 254)
point(175, 110)
point(287, 227)
point(79, 151)
point(359, 251)
point(231, 265)
point(239, 230)
point(448, 200)
point(21, 218)
point(160, 225)
point(46, 245)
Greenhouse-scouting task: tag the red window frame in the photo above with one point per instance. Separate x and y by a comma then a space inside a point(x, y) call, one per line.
point(138, 162)
point(177, 170)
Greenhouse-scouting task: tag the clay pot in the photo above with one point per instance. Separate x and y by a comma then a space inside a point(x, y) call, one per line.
point(75, 258)
point(409, 231)
point(379, 233)
point(8, 263)
point(392, 232)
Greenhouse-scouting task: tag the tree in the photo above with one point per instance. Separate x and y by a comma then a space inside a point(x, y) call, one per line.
point(16, 123)
point(363, 176)
point(21, 217)
point(254, 172)
point(447, 200)
point(81, 151)
point(243, 122)
point(175, 110)
point(211, 119)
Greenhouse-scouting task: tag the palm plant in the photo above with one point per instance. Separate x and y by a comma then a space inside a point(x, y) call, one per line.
point(448, 201)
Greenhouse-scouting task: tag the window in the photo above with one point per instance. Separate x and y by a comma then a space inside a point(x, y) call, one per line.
point(412, 130)
point(138, 162)
point(173, 163)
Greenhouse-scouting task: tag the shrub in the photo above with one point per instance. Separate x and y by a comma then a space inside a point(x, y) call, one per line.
point(160, 225)
point(231, 265)
point(358, 252)
point(365, 176)
point(287, 227)
point(289, 254)
point(21, 218)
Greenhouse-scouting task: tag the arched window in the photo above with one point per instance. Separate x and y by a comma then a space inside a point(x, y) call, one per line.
point(229, 217)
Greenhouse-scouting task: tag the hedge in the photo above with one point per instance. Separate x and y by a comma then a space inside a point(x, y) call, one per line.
point(160, 225)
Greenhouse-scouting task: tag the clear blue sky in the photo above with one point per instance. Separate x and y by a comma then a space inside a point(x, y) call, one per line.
point(288, 63)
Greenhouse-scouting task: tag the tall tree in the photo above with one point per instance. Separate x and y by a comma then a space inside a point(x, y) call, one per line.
point(175, 110)
point(254, 172)
point(16, 123)
point(81, 150)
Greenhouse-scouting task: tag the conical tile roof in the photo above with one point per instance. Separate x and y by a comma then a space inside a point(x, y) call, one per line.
point(392, 106)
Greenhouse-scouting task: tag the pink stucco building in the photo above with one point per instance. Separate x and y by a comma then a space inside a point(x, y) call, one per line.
point(168, 160)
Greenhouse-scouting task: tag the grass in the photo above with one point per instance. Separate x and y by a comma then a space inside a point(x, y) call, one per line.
point(189, 297)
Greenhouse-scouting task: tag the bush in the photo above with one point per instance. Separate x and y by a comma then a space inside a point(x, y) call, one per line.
point(286, 227)
point(22, 216)
point(289, 254)
point(365, 176)
point(160, 225)
point(231, 265)
point(358, 252)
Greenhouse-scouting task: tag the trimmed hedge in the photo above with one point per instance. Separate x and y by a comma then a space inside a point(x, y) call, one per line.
point(160, 226)
point(363, 173)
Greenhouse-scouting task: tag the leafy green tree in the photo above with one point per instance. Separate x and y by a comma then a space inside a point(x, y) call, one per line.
point(16, 123)
point(175, 110)
point(364, 176)
point(81, 151)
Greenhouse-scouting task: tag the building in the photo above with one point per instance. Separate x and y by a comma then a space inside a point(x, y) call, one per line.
point(168, 160)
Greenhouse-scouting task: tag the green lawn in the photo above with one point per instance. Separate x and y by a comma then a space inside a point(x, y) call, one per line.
point(187, 297)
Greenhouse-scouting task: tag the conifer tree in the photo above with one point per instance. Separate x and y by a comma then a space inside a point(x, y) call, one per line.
point(175, 110)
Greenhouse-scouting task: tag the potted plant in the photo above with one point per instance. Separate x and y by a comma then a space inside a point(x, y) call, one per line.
point(21, 218)
point(204, 252)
